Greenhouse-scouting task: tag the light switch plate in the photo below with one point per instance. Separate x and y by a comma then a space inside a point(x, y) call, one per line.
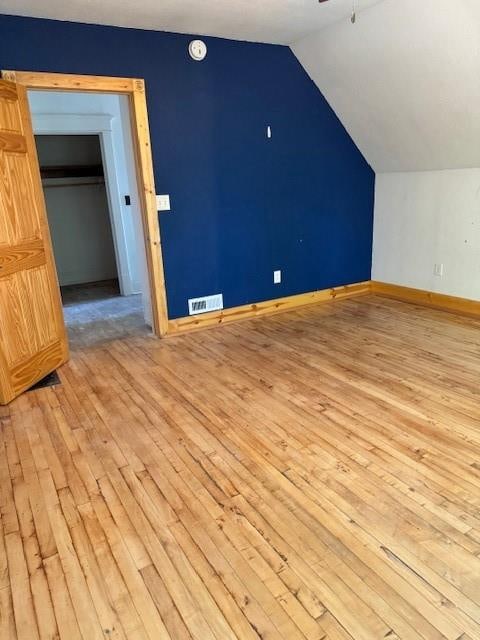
point(163, 203)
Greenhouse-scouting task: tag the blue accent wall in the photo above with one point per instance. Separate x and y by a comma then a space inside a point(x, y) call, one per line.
point(242, 205)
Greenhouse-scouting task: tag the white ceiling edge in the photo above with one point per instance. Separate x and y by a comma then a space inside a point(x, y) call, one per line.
point(405, 82)
point(266, 21)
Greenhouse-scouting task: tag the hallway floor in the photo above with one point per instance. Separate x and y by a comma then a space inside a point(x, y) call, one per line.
point(96, 313)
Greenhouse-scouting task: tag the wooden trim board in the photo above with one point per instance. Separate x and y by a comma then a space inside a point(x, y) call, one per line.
point(70, 82)
point(269, 307)
point(440, 301)
point(135, 89)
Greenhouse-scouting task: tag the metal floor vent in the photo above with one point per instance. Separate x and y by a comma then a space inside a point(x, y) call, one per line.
point(49, 381)
point(205, 304)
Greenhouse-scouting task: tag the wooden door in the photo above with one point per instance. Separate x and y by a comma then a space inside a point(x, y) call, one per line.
point(32, 332)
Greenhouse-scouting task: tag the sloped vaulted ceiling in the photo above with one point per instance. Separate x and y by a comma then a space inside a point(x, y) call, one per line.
point(405, 81)
point(274, 21)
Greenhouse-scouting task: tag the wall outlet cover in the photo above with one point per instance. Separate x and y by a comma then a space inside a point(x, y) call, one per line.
point(163, 203)
point(277, 277)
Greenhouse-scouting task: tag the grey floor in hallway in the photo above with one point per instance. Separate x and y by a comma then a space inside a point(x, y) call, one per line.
point(96, 313)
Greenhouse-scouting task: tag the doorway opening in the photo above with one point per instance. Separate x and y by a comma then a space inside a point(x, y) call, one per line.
point(86, 160)
point(34, 341)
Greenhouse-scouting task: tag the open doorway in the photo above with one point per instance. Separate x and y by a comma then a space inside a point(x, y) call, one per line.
point(80, 222)
point(34, 340)
point(87, 168)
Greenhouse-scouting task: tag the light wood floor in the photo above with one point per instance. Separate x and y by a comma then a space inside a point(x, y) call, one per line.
point(311, 475)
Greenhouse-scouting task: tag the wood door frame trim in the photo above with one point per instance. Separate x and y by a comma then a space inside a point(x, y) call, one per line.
point(134, 88)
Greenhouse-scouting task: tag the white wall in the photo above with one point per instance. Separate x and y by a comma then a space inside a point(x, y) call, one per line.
point(135, 219)
point(78, 213)
point(405, 82)
point(130, 262)
point(428, 218)
point(81, 234)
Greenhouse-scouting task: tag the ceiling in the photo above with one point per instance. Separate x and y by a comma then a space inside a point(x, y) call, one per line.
point(275, 21)
point(405, 82)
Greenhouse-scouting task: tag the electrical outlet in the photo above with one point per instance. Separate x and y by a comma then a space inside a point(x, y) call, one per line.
point(277, 277)
point(438, 270)
point(163, 203)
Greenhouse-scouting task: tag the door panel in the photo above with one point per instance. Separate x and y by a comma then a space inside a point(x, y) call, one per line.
point(32, 332)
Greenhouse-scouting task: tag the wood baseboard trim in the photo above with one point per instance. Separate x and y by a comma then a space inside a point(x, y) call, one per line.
point(441, 301)
point(269, 307)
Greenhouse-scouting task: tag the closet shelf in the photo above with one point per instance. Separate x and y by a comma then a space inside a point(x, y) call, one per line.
point(72, 171)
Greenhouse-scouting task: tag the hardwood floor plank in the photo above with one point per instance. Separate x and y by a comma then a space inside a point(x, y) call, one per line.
point(45, 616)
point(96, 584)
point(427, 636)
point(138, 591)
point(118, 592)
point(309, 476)
point(83, 605)
point(164, 603)
point(64, 611)
point(7, 619)
point(23, 608)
